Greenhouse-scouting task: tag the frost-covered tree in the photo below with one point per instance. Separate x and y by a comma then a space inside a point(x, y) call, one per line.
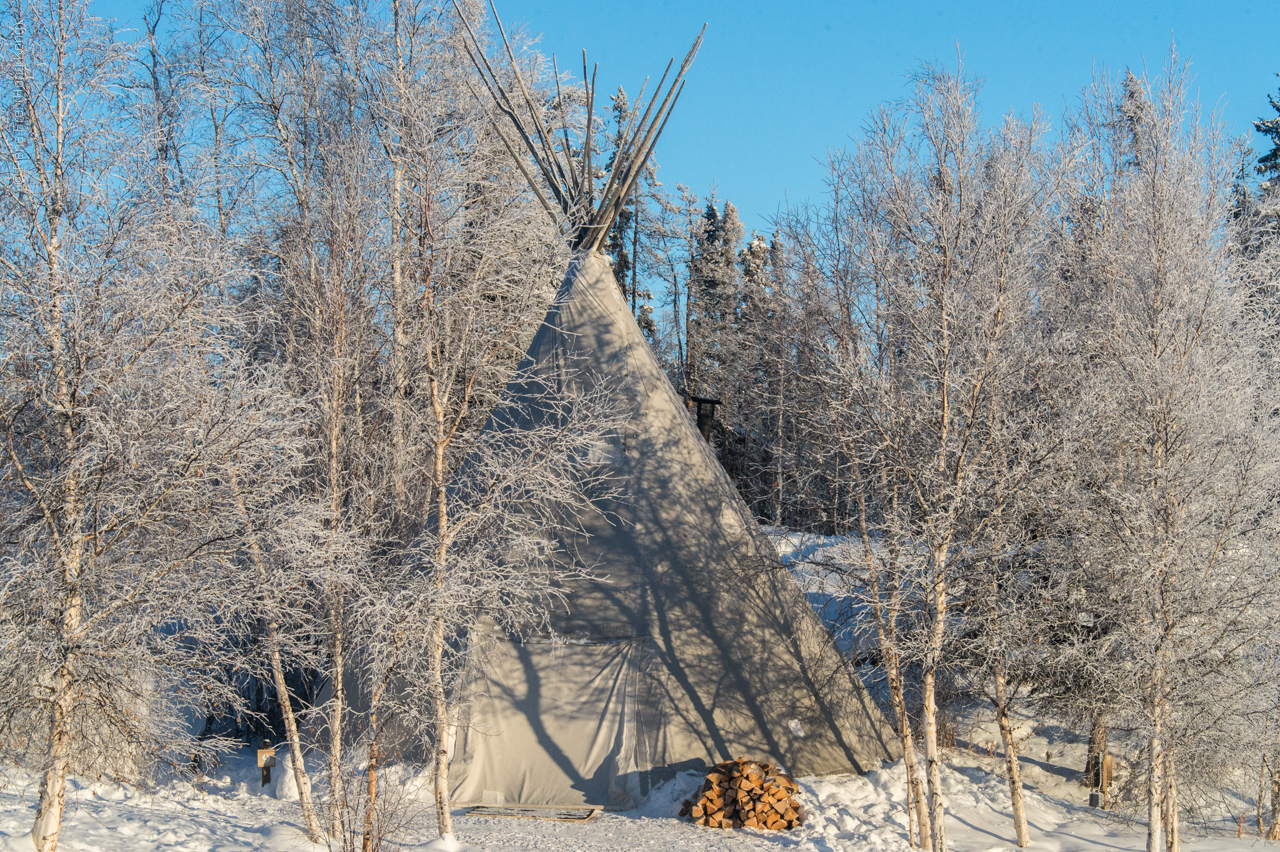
point(1168, 533)
point(402, 269)
point(126, 413)
point(406, 268)
point(668, 252)
point(622, 243)
point(713, 290)
point(751, 387)
point(923, 269)
point(304, 142)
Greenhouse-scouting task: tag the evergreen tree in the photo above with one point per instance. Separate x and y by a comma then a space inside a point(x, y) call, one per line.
point(755, 260)
point(1269, 163)
point(751, 382)
point(624, 224)
point(714, 287)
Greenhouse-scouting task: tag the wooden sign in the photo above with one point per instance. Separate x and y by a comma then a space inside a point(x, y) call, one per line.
point(266, 758)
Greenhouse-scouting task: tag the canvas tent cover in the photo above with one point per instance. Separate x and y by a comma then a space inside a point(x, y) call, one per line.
point(692, 647)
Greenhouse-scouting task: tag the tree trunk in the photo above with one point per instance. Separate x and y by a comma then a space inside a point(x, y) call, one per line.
point(886, 611)
point(335, 404)
point(1262, 788)
point(53, 785)
point(314, 833)
point(1011, 762)
point(371, 780)
point(915, 788)
point(444, 730)
point(932, 756)
point(337, 712)
point(1273, 833)
point(1093, 769)
point(1155, 792)
point(1173, 843)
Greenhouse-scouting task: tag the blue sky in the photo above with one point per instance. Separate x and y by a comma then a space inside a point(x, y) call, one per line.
point(779, 84)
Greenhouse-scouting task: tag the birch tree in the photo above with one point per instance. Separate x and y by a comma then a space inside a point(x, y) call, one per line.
point(124, 411)
point(1174, 431)
point(302, 150)
point(405, 272)
point(927, 256)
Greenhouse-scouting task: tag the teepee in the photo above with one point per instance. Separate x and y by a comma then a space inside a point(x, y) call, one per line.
point(690, 644)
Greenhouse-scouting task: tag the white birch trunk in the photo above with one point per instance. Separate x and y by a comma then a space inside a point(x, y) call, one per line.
point(369, 839)
point(1011, 763)
point(1262, 788)
point(435, 649)
point(918, 825)
point(1155, 789)
point(337, 712)
point(933, 762)
point(932, 753)
point(314, 833)
point(1271, 775)
point(915, 787)
point(53, 785)
point(444, 733)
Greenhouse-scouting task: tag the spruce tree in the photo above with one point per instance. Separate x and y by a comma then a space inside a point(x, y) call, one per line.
point(714, 285)
point(1269, 163)
point(747, 454)
point(716, 344)
point(623, 225)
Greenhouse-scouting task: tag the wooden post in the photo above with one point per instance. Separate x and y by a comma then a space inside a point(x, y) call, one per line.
point(266, 760)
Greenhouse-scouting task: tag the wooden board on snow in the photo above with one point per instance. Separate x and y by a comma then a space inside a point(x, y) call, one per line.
point(550, 812)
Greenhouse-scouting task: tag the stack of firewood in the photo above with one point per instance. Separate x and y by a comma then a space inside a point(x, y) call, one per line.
point(744, 793)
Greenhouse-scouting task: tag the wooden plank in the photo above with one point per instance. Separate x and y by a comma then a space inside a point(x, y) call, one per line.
point(547, 812)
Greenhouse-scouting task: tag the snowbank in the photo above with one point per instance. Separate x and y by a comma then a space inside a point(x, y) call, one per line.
point(232, 812)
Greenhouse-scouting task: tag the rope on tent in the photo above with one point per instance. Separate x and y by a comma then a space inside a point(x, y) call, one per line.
point(568, 176)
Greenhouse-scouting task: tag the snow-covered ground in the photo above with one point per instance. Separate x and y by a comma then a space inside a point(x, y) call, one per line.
point(230, 812)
